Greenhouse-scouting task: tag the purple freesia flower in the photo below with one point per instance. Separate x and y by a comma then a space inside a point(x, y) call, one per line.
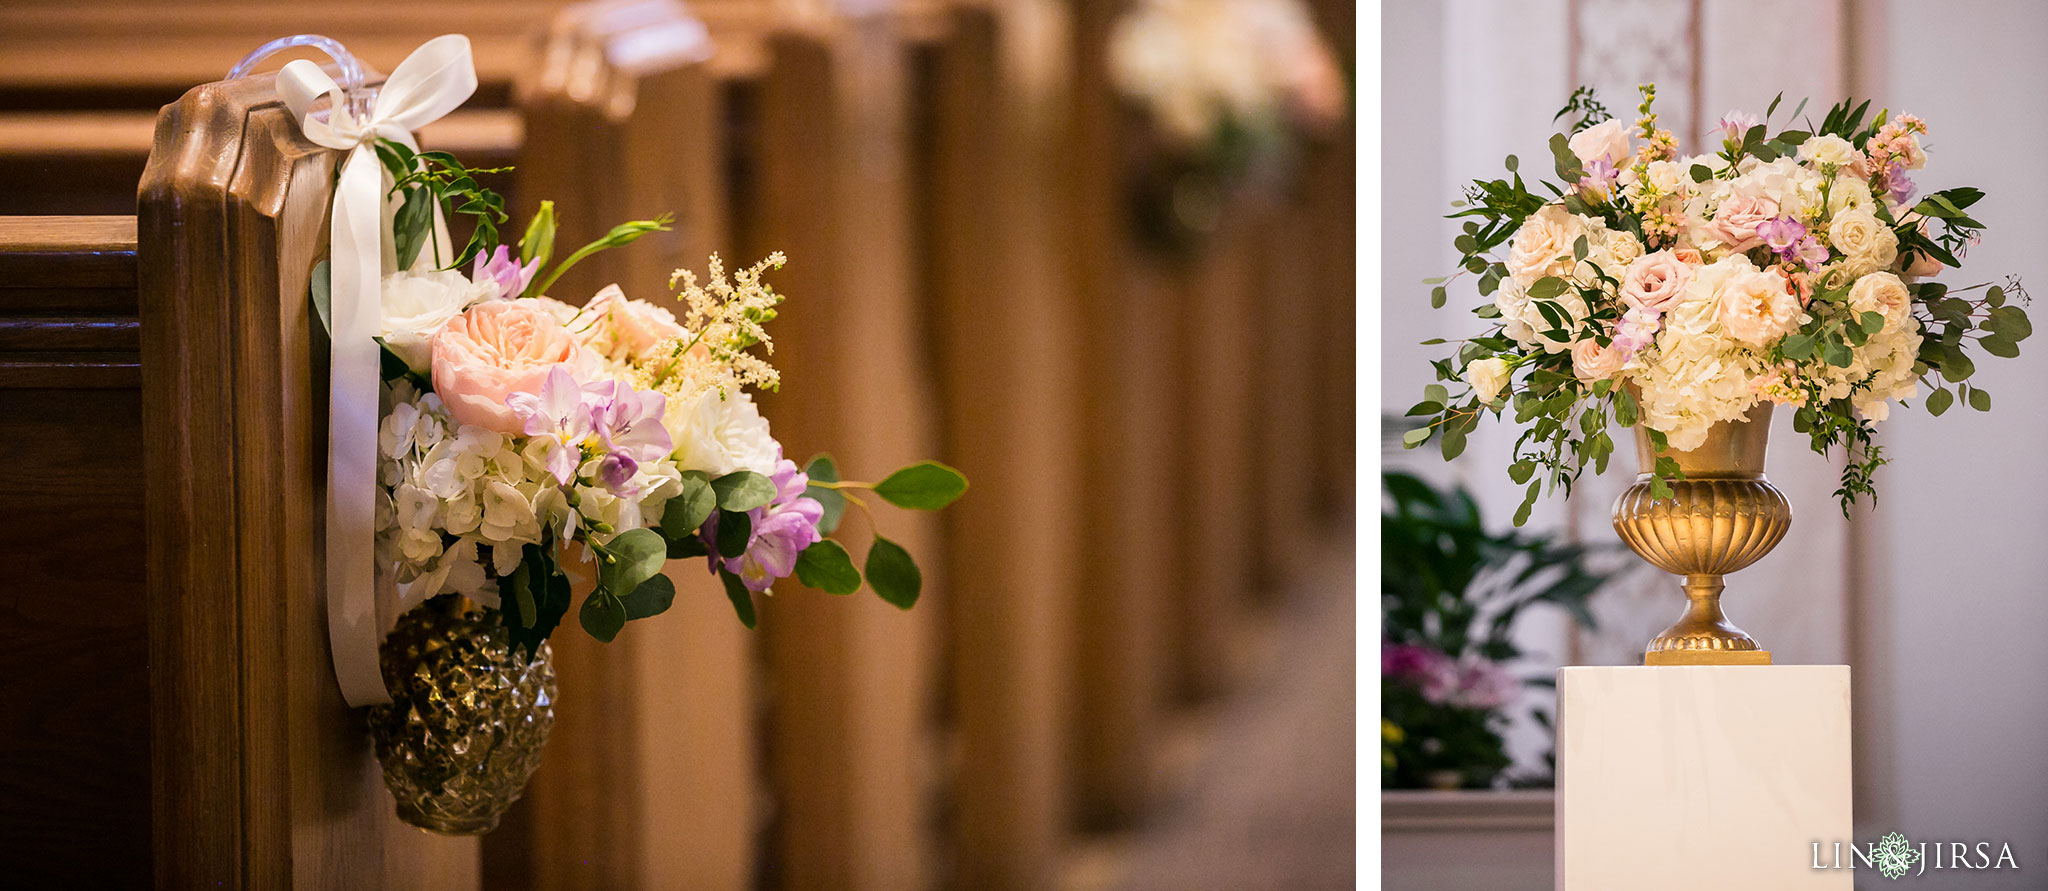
point(556, 412)
point(501, 268)
point(611, 419)
point(1781, 233)
point(781, 531)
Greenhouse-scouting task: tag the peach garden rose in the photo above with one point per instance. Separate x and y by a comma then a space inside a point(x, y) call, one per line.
point(493, 350)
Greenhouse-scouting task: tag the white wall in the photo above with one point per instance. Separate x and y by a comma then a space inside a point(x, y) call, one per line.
point(1952, 653)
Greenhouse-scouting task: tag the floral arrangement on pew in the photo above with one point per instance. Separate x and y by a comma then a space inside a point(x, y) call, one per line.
point(1226, 87)
point(1675, 293)
point(526, 442)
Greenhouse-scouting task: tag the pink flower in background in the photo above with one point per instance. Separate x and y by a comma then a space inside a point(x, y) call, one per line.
point(502, 269)
point(493, 350)
point(1469, 683)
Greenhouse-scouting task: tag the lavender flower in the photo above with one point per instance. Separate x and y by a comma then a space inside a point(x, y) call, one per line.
point(557, 412)
point(500, 268)
point(1899, 186)
point(1472, 682)
point(1789, 239)
point(610, 420)
point(781, 531)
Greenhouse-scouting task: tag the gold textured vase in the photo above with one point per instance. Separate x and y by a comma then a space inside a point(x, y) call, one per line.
point(1723, 516)
point(468, 717)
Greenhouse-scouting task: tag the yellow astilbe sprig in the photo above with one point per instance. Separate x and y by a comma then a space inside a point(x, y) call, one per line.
point(725, 318)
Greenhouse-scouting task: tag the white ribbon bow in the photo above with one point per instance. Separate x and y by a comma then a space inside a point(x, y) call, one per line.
point(434, 80)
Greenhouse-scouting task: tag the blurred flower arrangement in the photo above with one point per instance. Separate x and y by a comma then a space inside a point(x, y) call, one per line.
point(1450, 593)
point(1678, 292)
point(1225, 87)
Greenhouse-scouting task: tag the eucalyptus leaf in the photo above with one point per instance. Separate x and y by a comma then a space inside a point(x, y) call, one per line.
point(652, 598)
point(635, 556)
point(826, 566)
point(743, 490)
point(893, 574)
point(742, 599)
point(735, 531)
point(602, 615)
point(686, 512)
point(926, 485)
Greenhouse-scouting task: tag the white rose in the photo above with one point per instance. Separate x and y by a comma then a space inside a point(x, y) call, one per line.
point(1667, 177)
point(1488, 378)
point(1605, 140)
point(1828, 149)
point(1849, 193)
point(720, 435)
point(1869, 243)
point(416, 304)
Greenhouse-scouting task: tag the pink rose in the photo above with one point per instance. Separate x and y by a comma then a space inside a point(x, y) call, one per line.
point(493, 350)
point(1656, 282)
point(1734, 224)
point(1593, 362)
point(625, 329)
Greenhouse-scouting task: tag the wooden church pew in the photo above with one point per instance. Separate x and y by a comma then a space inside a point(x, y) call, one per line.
point(1133, 564)
point(994, 102)
point(261, 776)
point(74, 623)
point(850, 691)
point(652, 770)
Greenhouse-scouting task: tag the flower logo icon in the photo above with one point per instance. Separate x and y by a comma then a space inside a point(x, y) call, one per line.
point(1894, 855)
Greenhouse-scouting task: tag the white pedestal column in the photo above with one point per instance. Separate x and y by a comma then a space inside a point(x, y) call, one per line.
point(1702, 777)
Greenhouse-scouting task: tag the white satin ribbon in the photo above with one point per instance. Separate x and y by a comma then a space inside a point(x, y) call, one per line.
point(434, 80)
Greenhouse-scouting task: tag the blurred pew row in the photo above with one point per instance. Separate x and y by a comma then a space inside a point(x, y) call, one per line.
point(1152, 444)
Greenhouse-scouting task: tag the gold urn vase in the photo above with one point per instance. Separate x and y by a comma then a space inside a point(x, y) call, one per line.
point(1723, 516)
point(468, 717)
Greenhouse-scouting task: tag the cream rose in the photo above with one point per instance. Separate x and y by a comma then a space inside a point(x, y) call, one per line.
point(1543, 246)
point(1866, 241)
point(1829, 149)
point(496, 349)
point(415, 304)
point(1607, 140)
point(1488, 378)
point(623, 329)
point(1735, 221)
point(1882, 292)
point(1593, 362)
point(1656, 282)
point(1757, 308)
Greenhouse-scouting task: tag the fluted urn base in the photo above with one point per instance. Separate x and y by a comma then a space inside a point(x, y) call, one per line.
point(1723, 516)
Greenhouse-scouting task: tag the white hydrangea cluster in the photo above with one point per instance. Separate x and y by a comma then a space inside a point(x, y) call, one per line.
point(456, 499)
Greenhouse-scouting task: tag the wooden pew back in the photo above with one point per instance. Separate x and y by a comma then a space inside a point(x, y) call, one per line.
point(74, 641)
